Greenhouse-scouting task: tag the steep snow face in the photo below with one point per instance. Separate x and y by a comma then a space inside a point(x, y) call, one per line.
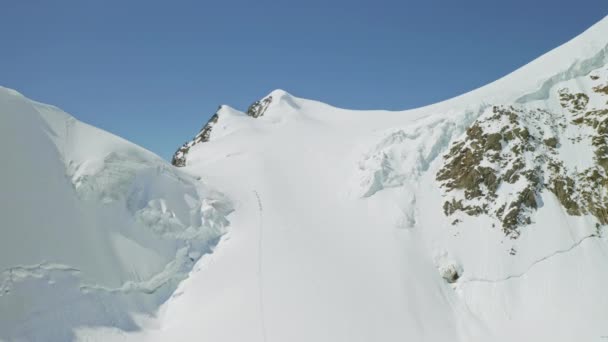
point(94, 228)
point(342, 232)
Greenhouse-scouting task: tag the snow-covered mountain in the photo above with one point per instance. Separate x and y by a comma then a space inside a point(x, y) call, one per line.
point(481, 218)
point(94, 228)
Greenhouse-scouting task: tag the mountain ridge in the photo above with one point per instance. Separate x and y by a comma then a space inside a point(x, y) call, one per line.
point(479, 218)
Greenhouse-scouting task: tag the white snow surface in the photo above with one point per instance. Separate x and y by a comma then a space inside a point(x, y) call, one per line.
point(94, 228)
point(337, 233)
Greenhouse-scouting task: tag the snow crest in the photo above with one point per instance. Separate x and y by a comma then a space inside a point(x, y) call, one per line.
point(97, 230)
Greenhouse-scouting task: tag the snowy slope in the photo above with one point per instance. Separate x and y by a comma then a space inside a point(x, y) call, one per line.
point(340, 232)
point(94, 228)
point(340, 229)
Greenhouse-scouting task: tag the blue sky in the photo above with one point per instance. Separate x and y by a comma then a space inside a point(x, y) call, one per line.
point(155, 71)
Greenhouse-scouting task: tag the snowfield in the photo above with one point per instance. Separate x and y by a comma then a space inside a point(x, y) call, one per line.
point(306, 222)
point(94, 228)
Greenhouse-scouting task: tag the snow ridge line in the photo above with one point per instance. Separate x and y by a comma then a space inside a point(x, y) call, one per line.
point(578, 69)
point(519, 275)
point(260, 254)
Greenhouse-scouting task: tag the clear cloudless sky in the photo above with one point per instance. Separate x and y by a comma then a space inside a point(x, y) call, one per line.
point(153, 71)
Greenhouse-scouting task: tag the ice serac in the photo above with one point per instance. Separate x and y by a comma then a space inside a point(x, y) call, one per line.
point(95, 230)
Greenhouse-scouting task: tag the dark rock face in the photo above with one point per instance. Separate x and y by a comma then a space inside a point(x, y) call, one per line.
point(179, 158)
point(492, 153)
point(256, 110)
point(450, 273)
point(511, 155)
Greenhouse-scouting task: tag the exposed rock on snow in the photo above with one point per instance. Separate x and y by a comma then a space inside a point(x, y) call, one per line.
point(451, 273)
point(257, 109)
point(510, 155)
point(179, 158)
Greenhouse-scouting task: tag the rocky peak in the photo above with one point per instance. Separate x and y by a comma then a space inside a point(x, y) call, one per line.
point(258, 108)
point(255, 110)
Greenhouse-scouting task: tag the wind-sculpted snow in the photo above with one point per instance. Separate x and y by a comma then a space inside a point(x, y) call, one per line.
point(95, 229)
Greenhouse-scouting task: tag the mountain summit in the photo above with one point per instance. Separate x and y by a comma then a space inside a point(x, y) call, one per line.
point(480, 218)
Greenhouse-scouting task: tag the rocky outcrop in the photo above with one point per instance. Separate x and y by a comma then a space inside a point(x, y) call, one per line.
point(512, 154)
point(257, 109)
point(179, 158)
